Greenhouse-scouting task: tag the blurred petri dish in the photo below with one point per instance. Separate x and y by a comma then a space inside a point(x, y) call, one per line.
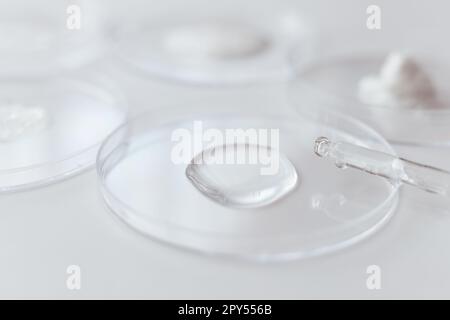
point(51, 128)
point(44, 37)
point(327, 209)
point(335, 78)
point(212, 43)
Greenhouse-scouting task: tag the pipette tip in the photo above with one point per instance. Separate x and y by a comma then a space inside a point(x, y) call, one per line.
point(322, 146)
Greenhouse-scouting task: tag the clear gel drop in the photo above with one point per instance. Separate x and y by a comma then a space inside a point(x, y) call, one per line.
point(242, 175)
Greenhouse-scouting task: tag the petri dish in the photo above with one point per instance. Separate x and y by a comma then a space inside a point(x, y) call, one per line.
point(335, 77)
point(212, 43)
point(41, 38)
point(51, 128)
point(325, 209)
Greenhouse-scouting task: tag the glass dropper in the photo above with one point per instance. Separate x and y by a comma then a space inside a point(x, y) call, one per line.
point(398, 170)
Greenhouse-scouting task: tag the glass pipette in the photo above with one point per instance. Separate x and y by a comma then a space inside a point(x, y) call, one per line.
point(398, 170)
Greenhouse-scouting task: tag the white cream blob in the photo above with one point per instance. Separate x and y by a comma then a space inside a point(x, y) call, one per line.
point(17, 120)
point(214, 40)
point(402, 82)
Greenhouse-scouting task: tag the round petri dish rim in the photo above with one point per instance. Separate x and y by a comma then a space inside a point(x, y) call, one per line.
point(83, 159)
point(189, 76)
point(121, 209)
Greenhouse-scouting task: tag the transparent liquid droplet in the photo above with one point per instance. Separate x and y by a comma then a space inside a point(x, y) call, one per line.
point(255, 182)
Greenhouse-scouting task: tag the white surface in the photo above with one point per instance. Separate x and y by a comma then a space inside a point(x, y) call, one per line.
point(45, 230)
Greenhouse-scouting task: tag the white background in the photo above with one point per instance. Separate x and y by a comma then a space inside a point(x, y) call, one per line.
point(45, 230)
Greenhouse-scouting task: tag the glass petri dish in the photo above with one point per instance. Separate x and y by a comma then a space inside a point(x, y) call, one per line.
point(40, 38)
point(326, 210)
point(336, 77)
point(51, 128)
point(212, 43)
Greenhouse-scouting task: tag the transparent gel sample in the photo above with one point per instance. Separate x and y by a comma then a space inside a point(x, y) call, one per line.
point(249, 184)
point(17, 120)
